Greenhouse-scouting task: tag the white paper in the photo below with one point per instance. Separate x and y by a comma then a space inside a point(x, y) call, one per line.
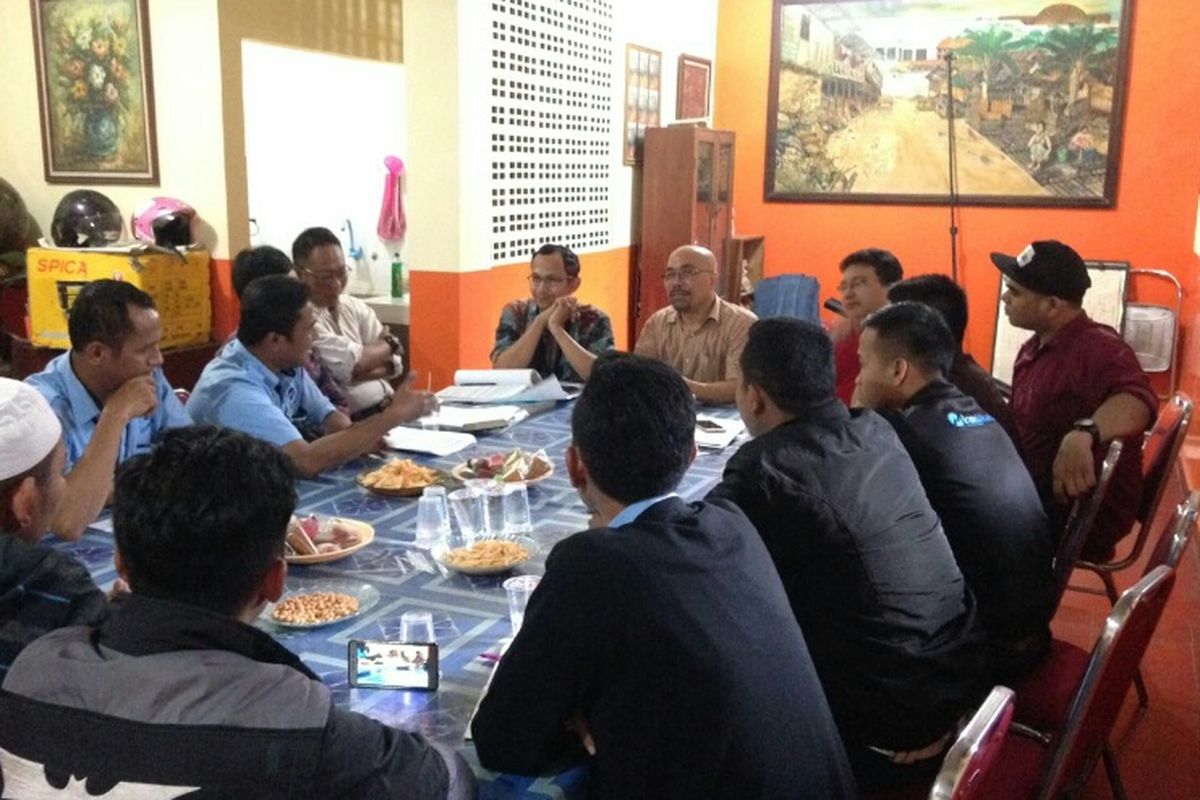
point(718, 440)
point(459, 418)
point(506, 386)
point(422, 440)
point(497, 377)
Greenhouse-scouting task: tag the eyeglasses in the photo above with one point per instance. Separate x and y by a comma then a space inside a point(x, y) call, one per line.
point(686, 273)
point(545, 280)
point(329, 277)
point(856, 284)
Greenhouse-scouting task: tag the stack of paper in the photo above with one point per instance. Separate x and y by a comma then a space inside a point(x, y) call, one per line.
point(471, 418)
point(421, 440)
point(503, 386)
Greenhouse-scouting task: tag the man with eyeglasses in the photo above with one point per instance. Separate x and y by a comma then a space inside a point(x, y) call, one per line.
point(866, 276)
point(551, 331)
point(363, 356)
point(699, 334)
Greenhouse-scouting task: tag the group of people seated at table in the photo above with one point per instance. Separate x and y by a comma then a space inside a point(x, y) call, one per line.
point(824, 619)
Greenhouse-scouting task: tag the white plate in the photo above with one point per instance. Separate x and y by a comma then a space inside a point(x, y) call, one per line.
point(440, 551)
point(366, 534)
point(366, 595)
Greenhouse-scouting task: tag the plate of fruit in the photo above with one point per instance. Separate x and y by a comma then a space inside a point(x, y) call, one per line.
point(515, 466)
point(316, 540)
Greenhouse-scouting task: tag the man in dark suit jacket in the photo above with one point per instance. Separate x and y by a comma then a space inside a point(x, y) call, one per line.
point(862, 556)
point(661, 639)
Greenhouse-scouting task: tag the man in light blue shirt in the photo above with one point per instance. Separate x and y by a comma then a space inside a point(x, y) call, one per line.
point(257, 384)
point(108, 392)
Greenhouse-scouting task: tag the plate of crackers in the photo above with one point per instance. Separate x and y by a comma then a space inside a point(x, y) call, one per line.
point(313, 604)
point(318, 540)
point(400, 477)
point(489, 556)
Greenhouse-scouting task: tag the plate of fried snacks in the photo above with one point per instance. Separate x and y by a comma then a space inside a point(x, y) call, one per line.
point(487, 556)
point(400, 477)
point(316, 603)
point(516, 466)
point(316, 540)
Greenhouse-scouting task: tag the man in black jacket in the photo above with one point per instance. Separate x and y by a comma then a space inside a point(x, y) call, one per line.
point(973, 476)
point(176, 689)
point(869, 573)
point(661, 638)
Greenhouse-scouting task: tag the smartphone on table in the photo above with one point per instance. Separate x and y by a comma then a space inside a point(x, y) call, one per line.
point(708, 426)
point(392, 665)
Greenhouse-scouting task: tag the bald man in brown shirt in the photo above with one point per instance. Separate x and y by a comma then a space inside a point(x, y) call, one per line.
point(699, 334)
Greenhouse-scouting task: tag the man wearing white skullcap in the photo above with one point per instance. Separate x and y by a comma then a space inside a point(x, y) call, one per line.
point(40, 588)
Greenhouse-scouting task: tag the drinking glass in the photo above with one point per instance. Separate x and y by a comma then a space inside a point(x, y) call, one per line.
point(416, 626)
point(516, 509)
point(468, 511)
point(519, 590)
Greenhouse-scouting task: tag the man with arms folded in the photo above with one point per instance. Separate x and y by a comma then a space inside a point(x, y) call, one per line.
point(699, 334)
point(660, 638)
point(257, 384)
point(948, 298)
point(350, 340)
point(866, 276)
point(973, 476)
point(176, 688)
point(551, 332)
point(871, 579)
point(253, 263)
point(109, 393)
point(40, 589)
point(1076, 386)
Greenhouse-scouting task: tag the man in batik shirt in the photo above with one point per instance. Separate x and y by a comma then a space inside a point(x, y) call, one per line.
point(551, 331)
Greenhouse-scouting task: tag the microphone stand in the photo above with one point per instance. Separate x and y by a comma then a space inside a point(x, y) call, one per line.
point(952, 164)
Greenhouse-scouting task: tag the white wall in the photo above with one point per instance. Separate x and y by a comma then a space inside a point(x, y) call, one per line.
point(447, 46)
point(191, 154)
point(318, 127)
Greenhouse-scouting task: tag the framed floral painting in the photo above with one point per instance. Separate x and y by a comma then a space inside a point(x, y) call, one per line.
point(95, 92)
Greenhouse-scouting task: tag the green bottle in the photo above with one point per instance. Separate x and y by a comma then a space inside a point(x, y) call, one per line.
point(397, 276)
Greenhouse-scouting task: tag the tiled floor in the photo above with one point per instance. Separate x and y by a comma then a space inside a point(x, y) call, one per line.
point(1158, 749)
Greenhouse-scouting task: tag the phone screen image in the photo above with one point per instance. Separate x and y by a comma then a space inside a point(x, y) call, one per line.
point(709, 426)
point(393, 665)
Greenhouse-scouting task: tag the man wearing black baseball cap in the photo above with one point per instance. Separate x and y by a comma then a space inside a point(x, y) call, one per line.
point(1076, 386)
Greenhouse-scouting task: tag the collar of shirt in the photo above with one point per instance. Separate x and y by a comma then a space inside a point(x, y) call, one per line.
point(81, 400)
point(634, 510)
point(1066, 334)
point(934, 390)
point(237, 353)
point(714, 313)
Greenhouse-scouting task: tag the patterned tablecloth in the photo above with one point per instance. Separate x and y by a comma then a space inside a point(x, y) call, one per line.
point(470, 613)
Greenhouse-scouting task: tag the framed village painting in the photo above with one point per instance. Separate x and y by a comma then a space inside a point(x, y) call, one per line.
point(866, 94)
point(95, 91)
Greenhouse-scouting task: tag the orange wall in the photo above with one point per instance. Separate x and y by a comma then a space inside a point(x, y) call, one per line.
point(454, 314)
point(1152, 224)
point(225, 307)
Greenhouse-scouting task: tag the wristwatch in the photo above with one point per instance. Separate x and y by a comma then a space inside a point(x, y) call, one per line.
point(1088, 425)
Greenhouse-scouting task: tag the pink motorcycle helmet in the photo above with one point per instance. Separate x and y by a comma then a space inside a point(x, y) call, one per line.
point(164, 221)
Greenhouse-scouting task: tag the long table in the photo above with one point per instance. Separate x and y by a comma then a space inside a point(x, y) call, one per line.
point(470, 613)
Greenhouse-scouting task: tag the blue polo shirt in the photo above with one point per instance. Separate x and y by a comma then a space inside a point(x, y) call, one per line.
point(79, 412)
point(237, 390)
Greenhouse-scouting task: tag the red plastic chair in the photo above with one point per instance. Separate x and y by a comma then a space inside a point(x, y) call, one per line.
point(1058, 763)
point(970, 761)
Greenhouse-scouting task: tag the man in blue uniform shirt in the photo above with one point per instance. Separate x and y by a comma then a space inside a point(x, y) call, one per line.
point(108, 392)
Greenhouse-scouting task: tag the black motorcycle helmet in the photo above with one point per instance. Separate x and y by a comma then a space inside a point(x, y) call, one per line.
point(85, 218)
point(18, 229)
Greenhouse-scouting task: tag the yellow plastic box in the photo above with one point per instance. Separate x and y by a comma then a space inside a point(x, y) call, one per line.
point(180, 289)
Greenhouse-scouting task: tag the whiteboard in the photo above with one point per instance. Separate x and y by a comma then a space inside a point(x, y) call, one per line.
point(1104, 302)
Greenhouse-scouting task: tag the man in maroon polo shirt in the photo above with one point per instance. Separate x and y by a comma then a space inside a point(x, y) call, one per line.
point(1076, 386)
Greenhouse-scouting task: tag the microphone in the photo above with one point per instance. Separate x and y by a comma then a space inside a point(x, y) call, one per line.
point(835, 305)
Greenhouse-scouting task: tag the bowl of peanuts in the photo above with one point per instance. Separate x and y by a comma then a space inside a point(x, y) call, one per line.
point(312, 604)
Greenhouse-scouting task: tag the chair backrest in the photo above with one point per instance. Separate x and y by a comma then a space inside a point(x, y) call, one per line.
point(965, 769)
point(1115, 659)
point(788, 296)
point(1175, 537)
point(1159, 452)
point(1079, 523)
